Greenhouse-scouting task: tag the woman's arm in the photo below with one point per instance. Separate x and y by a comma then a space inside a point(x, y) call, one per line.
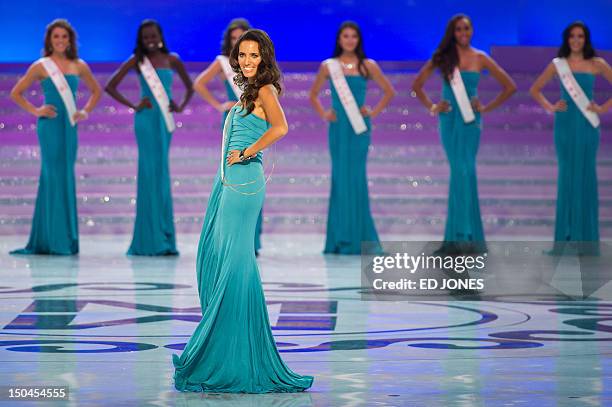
point(382, 81)
point(508, 85)
point(417, 86)
point(200, 87)
point(536, 91)
point(115, 80)
point(34, 73)
point(604, 69)
point(322, 75)
point(179, 67)
point(93, 86)
point(278, 124)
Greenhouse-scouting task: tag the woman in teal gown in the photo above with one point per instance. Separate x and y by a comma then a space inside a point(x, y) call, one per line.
point(349, 219)
point(576, 141)
point(232, 32)
point(55, 223)
point(463, 231)
point(232, 349)
point(154, 225)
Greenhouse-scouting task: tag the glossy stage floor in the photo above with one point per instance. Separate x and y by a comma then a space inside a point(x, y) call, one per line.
point(106, 325)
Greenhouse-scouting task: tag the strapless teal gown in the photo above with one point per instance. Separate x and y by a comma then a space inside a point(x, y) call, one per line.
point(55, 223)
point(231, 96)
point(460, 142)
point(576, 143)
point(154, 225)
point(232, 349)
point(349, 220)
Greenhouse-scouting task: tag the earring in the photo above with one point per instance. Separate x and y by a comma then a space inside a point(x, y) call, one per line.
point(160, 44)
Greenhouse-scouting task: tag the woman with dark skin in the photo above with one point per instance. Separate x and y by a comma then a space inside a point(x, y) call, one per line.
point(463, 231)
point(349, 220)
point(232, 349)
point(55, 223)
point(154, 226)
point(576, 141)
point(234, 30)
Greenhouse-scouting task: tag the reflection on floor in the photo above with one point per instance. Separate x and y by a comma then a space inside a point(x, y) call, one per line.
point(106, 325)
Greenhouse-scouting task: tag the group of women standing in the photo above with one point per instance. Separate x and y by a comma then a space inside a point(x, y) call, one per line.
point(232, 348)
point(349, 221)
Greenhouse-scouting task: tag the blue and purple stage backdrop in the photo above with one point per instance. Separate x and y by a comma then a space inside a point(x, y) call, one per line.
point(303, 30)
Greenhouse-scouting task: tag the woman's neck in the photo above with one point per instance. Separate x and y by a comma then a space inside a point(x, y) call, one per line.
point(58, 55)
point(576, 56)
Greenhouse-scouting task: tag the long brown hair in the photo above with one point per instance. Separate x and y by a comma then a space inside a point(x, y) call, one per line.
point(446, 57)
point(71, 50)
point(268, 72)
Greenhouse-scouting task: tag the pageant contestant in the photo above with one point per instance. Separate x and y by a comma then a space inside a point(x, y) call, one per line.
point(349, 221)
point(232, 349)
point(460, 127)
point(221, 69)
point(55, 223)
point(153, 124)
point(576, 133)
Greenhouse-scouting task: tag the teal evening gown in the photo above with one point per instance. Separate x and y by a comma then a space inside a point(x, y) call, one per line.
point(231, 96)
point(576, 143)
point(55, 223)
point(463, 230)
point(232, 349)
point(154, 225)
point(349, 220)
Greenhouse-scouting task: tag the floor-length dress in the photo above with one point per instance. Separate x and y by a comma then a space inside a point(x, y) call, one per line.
point(231, 96)
point(55, 223)
point(460, 141)
point(232, 349)
point(349, 220)
point(576, 143)
point(154, 225)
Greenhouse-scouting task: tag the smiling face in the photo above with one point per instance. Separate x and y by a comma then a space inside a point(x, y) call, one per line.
point(235, 34)
point(150, 37)
point(463, 32)
point(60, 39)
point(249, 58)
point(349, 39)
point(576, 40)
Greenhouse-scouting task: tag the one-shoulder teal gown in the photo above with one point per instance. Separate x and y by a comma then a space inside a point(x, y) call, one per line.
point(231, 96)
point(154, 225)
point(460, 142)
point(232, 349)
point(576, 143)
point(55, 224)
point(349, 220)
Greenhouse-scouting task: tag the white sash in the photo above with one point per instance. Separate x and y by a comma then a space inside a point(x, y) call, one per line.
point(574, 90)
point(229, 74)
point(59, 80)
point(461, 96)
point(346, 96)
point(159, 93)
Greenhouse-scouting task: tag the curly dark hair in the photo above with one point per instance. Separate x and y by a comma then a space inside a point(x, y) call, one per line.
point(268, 72)
point(588, 51)
point(226, 42)
point(446, 57)
point(71, 50)
point(140, 50)
point(359, 51)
